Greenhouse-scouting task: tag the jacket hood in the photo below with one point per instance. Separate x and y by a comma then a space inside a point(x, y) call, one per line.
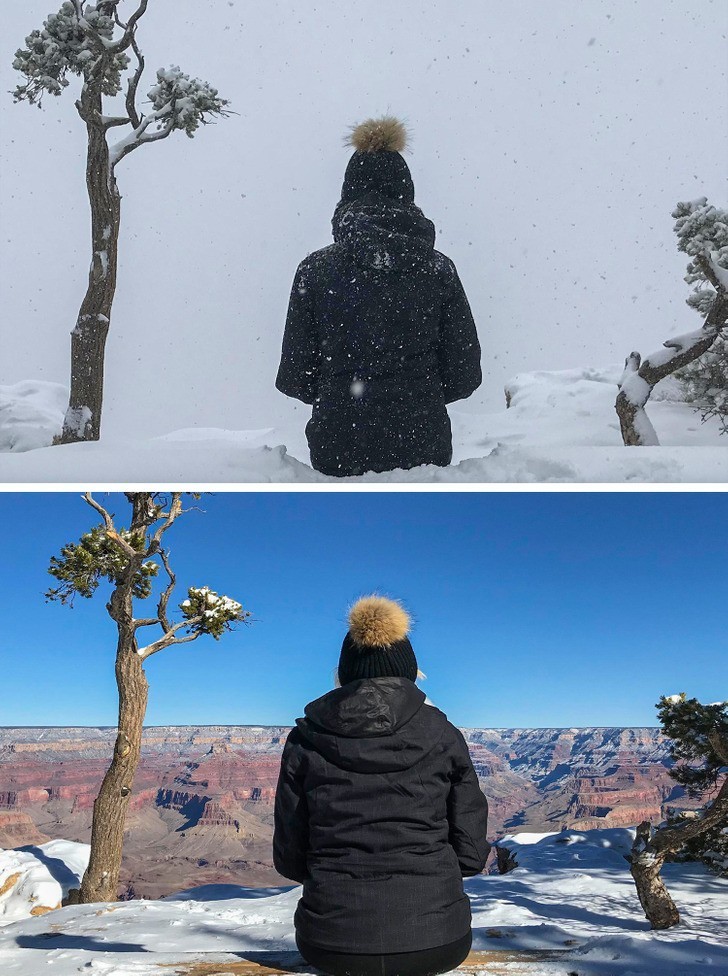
point(373, 725)
point(383, 234)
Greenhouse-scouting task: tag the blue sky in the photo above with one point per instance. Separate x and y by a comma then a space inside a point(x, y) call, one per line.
point(530, 609)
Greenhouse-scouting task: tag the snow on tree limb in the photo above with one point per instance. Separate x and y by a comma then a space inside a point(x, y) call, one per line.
point(207, 612)
point(705, 381)
point(179, 102)
point(204, 612)
point(191, 98)
point(702, 232)
point(79, 40)
point(636, 392)
point(68, 44)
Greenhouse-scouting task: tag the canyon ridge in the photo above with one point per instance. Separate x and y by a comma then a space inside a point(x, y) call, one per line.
point(202, 806)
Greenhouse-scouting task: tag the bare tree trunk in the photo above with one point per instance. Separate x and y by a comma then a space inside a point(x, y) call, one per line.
point(82, 421)
point(645, 867)
point(101, 880)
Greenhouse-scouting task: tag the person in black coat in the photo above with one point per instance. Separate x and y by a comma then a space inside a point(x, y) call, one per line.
point(379, 814)
point(379, 335)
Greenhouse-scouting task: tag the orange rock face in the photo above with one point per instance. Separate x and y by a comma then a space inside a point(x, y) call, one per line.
point(17, 829)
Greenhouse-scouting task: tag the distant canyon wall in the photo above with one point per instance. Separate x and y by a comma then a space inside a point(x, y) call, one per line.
point(202, 806)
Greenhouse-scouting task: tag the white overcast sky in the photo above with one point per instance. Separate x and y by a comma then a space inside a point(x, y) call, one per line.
point(550, 144)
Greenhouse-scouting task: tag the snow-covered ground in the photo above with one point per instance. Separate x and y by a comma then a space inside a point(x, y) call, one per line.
point(572, 893)
point(561, 427)
point(31, 414)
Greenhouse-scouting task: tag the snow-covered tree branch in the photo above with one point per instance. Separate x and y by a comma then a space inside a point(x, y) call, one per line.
point(705, 381)
point(70, 42)
point(90, 41)
point(702, 232)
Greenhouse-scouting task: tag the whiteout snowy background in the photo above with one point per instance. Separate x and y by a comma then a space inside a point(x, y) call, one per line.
point(570, 890)
point(550, 143)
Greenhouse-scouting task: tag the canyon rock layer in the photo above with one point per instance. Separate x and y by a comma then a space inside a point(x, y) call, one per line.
point(202, 806)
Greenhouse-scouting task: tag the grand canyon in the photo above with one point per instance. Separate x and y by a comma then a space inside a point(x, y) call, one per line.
point(202, 806)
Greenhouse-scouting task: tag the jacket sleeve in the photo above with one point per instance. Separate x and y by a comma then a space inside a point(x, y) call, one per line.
point(458, 348)
point(298, 371)
point(290, 835)
point(467, 811)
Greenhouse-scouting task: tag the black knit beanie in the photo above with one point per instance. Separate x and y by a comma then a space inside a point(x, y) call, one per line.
point(376, 165)
point(377, 645)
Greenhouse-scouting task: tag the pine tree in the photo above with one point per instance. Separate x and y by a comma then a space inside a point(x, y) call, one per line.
point(699, 744)
point(705, 384)
point(129, 560)
point(703, 229)
point(702, 232)
point(91, 42)
point(710, 847)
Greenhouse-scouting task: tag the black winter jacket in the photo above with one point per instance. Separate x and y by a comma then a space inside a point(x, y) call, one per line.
point(379, 814)
point(379, 337)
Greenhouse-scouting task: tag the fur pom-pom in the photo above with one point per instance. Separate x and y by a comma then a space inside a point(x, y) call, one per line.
point(386, 133)
point(376, 621)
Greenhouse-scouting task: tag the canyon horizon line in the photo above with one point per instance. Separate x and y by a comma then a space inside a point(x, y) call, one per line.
point(288, 725)
point(201, 810)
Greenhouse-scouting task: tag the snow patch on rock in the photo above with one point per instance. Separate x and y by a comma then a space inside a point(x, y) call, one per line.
point(34, 880)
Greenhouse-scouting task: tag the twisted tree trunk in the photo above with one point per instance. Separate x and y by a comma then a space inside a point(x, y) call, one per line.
point(650, 850)
point(645, 867)
point(642, 375)
point(82, 421)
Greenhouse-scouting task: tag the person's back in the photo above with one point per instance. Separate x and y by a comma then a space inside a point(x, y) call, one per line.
point(379, 335)
point(379, 812)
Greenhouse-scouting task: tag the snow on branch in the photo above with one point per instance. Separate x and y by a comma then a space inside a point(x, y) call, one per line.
point(702, 232)
point(191, 98)
point(179, 102)
point(70, 43)
point(207, 612)
point(79, 40)
point(204, 612)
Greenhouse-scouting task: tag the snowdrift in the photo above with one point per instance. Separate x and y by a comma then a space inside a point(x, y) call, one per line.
point(570, 906)
point(31, 414)
point(560, 427)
